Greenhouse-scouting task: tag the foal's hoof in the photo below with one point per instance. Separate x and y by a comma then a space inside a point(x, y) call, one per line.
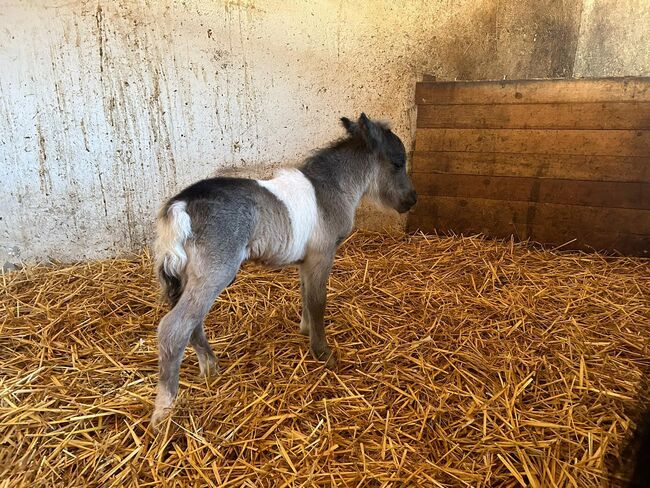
point(208, 369)
point(304, 328)
point(158, 418)
point(324, 354)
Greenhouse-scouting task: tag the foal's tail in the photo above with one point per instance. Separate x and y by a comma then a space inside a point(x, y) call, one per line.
point(173, 228)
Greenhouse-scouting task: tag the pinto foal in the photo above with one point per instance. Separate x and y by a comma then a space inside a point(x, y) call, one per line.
point(300, 217)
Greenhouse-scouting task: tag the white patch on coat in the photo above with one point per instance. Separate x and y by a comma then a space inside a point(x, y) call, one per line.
point(297, 193)
point(172, 230)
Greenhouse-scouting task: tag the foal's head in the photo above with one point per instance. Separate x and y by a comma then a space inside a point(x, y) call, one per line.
point(390, 185)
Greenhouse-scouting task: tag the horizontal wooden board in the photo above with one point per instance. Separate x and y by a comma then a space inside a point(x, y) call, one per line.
point(534, 91)
point(536, 141)
point(601, 115)
point(578, 167)
point(583, 239)
point(485, 211)
point(541, 190)
point(547, 223)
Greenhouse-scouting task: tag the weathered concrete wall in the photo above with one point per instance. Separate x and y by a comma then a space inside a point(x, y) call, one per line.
point(108, 106)
point(614, 39)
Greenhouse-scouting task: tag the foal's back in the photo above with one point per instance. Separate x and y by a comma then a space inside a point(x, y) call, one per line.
point(220, 209)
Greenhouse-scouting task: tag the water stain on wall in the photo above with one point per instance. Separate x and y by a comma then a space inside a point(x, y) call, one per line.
point(510, 40)
point(43, 171)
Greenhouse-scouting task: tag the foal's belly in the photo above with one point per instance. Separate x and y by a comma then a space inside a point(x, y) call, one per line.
point(274, 251)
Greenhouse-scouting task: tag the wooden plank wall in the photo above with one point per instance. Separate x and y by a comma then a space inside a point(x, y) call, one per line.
point(554, 161)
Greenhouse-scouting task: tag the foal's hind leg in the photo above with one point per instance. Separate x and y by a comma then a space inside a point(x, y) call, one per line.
point(176, 329)
point(208, 365)
point(207, 359)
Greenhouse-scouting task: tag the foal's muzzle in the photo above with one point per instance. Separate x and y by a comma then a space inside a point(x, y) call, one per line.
point(408, 202)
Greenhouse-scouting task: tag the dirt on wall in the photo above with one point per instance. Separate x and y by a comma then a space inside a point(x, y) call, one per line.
point(513, 40)
point(614, 39)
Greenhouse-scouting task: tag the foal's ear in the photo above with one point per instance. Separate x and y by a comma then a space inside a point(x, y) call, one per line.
point(370, 131)
point(350, 126)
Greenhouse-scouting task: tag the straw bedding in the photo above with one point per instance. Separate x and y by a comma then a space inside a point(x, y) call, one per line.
point(462, 362)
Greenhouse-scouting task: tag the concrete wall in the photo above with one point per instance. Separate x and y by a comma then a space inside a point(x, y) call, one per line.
point(108, 106)
point(614, 39)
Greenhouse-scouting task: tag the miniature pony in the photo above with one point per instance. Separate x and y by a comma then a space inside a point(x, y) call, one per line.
point(299, 217)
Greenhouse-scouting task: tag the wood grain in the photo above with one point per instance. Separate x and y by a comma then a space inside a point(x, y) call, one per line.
point(578, 167)
point(612, 194)
point(583, 239)
point(536, 141)
point(485, 213)
point(542, 222)
point(599, 115)
point(534, 91)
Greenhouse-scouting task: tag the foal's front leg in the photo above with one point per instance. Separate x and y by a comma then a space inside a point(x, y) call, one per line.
point(304, 318)
point(314, 272)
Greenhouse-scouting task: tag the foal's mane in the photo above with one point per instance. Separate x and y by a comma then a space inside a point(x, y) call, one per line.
point(354, 142)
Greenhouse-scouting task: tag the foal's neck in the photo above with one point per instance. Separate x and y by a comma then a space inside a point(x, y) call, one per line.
point(341, 174)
